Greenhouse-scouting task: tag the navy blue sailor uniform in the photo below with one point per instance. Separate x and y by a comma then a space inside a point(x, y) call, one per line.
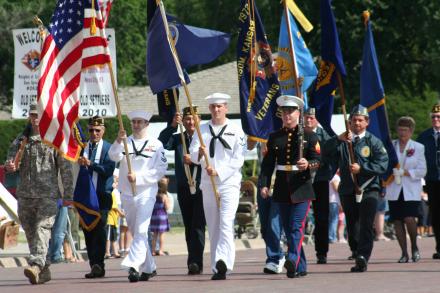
point(372, 158)
point(191, 205)
point(293, 190)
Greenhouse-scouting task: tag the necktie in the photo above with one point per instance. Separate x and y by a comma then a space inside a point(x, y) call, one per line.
point(92, 151)
point(356, 139)
point(220, 138)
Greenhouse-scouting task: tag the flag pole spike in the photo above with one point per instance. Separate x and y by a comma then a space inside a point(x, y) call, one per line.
point(121, 124)
point(93, 21)
point(366, 17)
point(188, 96)
point(191, 182)
point(296, 83)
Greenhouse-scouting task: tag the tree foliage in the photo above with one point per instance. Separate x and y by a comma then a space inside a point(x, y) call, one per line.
point(407, 36)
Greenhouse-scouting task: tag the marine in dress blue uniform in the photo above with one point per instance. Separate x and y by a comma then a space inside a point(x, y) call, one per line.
point(430, 138)
point(190, 201)
point(371, 162)
point(293, 190)
point(95, 157)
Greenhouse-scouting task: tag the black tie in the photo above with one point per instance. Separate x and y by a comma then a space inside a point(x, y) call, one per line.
point(92, 151)
point(220, 138)
point(356, 139)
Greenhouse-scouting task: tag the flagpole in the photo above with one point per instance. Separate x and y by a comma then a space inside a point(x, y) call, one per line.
point(296, 81)
point(349, 143)
point(185, 149)
point(188, 96)
point(121, 125)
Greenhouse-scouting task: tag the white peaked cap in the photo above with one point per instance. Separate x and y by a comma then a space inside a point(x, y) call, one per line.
point(217, 98)
point(290, 101)
point(139, 114)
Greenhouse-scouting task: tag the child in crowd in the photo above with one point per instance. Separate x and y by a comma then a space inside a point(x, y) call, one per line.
point(113, 221)
point(159, 219)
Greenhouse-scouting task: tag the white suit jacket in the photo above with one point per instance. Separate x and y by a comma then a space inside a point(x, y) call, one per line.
point(415, 164)
point(226, 162)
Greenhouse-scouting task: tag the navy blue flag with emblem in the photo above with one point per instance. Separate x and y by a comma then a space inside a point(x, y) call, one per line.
point(258, 79)
point(373, 98)
point(195, 46)
point(305, 67)
point(85, 198)
point(322, 97)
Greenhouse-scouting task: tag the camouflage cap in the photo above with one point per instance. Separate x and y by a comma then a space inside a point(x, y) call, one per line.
point(187, 111)
point(359, 110)
point(310, 111)
point(96, 121)
point(436, 108)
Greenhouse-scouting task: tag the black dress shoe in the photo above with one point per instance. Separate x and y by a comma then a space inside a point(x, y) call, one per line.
point(403, 259)
point(133, 275)
point(194, 269)
point(96, 272)
point(301, 274)
point(221, 271)
point(221, 267)
point(321, 259)
point(436, 255)
point(361, 265)
point(415, 256)
point(218, 276)
point(147, 276)
point(290, 268)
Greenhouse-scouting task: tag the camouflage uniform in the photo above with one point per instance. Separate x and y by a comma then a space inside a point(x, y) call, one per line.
point(38, 192)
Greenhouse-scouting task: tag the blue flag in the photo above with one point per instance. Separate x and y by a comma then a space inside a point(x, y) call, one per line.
point(305, 66)
point(194, 46)
point(85, 200)
point(322, 97)
point(167, 105)
point(373, 98)
point(258, 80)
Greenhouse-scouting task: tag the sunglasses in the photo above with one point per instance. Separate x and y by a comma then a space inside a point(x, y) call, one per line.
point(94, 130)
point(435, 116)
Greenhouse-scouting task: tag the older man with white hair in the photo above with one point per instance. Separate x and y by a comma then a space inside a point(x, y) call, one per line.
point(148, 162)
point(227, 145)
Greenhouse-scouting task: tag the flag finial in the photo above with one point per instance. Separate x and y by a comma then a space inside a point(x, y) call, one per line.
point(93, 24)
point(366, 17)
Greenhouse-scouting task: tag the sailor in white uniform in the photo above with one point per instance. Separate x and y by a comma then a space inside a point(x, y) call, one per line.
point(225, 148)
point(149, 165)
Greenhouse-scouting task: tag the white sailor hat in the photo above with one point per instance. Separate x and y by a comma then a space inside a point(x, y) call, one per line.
point(217, 98)
point(290, 101)
point(139, 114)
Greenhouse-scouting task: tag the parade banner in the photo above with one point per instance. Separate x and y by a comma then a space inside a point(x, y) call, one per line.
point(97, 96)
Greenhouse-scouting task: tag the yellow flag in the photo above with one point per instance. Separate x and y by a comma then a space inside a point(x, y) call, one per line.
point(303, 21)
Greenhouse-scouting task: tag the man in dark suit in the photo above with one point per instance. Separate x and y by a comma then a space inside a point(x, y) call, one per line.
point(430, 138)
point(293, 190)
point(371, 161)
point(321, 181)
point(95, 158)
point(190, 198)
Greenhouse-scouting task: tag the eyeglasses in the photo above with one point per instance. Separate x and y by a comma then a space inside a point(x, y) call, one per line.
point(94, 130)
point(435, 116)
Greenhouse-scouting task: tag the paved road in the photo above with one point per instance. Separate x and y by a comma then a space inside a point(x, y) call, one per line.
point(384, 275)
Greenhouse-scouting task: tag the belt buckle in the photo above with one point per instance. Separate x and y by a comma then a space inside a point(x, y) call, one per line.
point(289, 167)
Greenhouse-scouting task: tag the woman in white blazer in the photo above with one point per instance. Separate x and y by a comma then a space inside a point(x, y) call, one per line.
point(404, 192)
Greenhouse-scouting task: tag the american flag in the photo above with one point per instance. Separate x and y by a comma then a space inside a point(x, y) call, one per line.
point(105, 6)
point(76, 41)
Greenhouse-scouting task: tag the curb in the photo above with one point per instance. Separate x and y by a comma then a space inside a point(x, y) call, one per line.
point(240, 244)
